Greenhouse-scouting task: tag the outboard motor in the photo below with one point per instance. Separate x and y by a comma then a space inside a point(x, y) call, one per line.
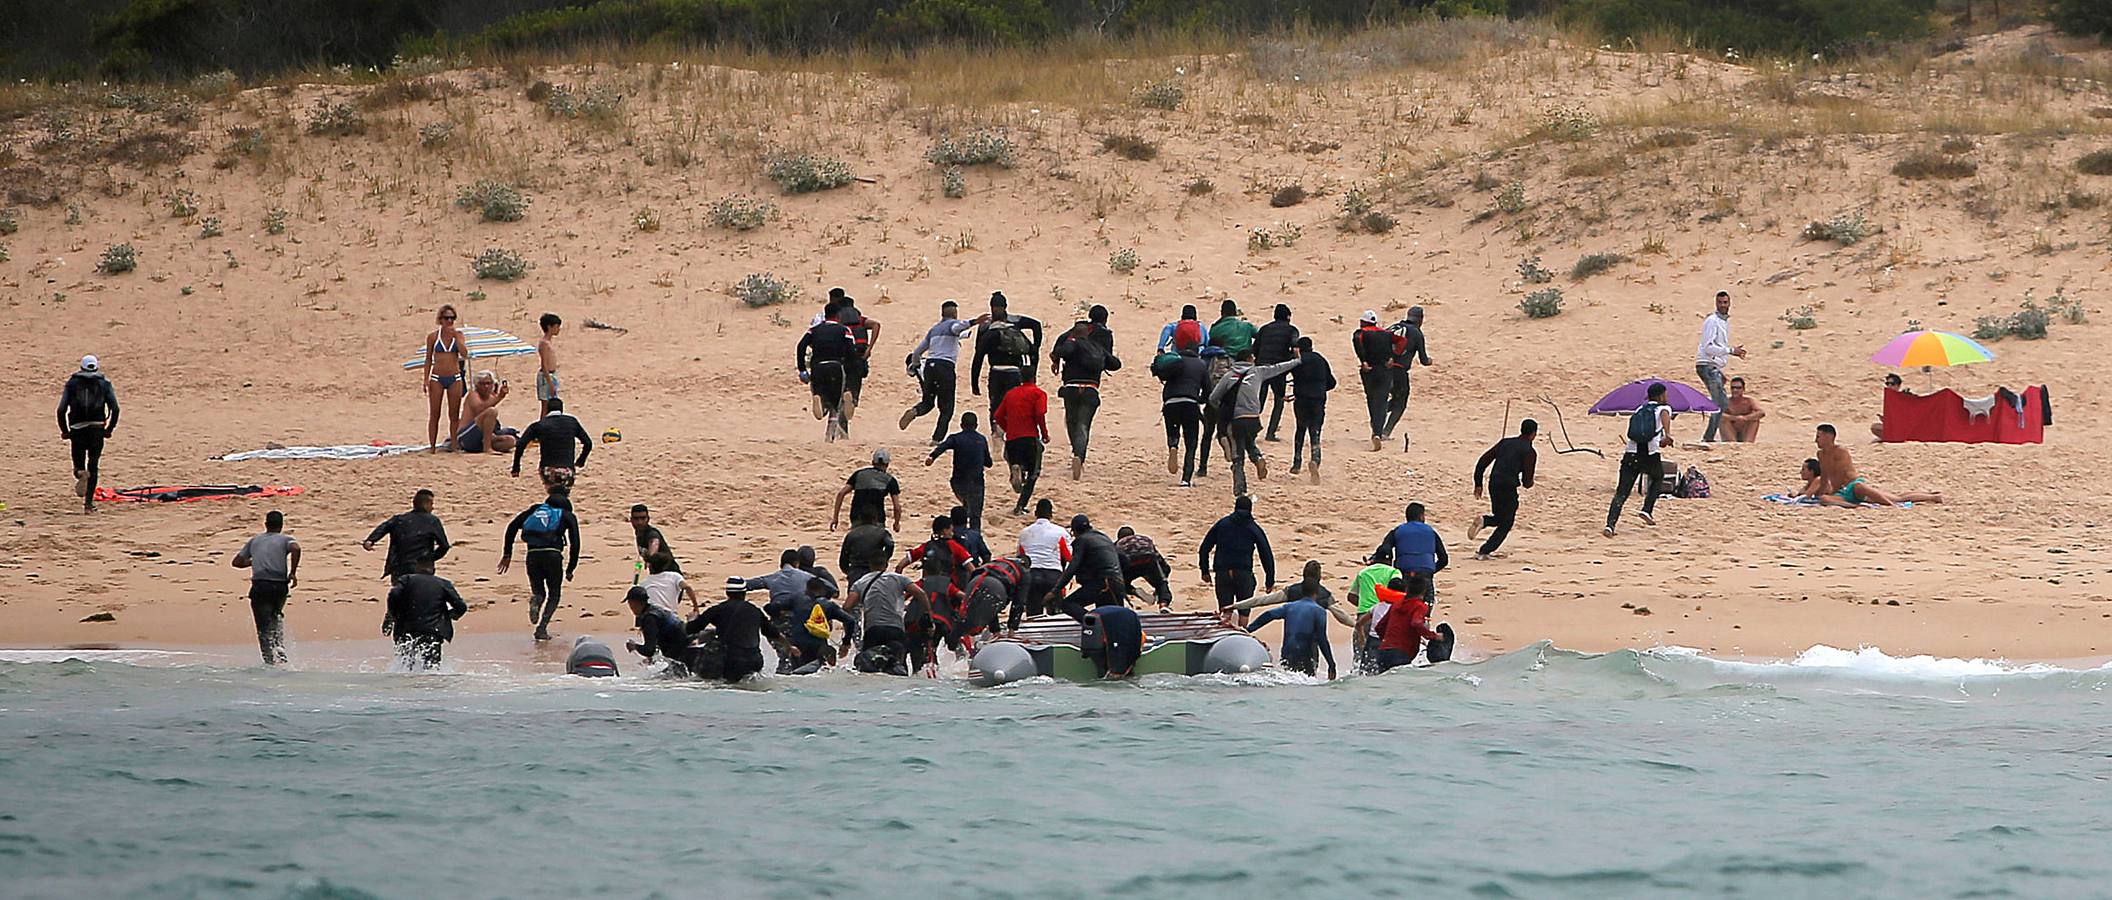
point(590, 659)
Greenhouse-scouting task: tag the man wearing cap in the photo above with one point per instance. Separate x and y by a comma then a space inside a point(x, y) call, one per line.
point(872, 491)
point(1097, 567)
point(740, 628)
point(1377, 349)
point(1231, 331)
point(933, 363)
point(87, 415)
point(1083, 357)
point(1274, 343)
point(1410, 350)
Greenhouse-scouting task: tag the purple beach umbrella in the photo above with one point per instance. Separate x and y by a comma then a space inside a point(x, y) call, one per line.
point(1630, 397)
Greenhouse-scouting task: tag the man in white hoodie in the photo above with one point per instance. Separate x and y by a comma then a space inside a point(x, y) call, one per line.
point(1047, 547)
point(1712, 355)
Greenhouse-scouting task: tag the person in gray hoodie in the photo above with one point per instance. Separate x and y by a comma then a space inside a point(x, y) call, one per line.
point(1238, 394)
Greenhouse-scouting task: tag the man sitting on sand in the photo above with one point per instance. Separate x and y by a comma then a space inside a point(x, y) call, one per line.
point(1892, 383)
point(1838, 478)
point(1741, 415)
point(483, 433)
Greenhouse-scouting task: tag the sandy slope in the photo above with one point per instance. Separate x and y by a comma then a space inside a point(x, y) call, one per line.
point(299, 344)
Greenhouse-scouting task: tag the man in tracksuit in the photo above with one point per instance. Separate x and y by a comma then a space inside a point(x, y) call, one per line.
point(1274, 343)
point(1236, 538)
point(1414, 548)
point(87, 415)
point(1239, 395)
point(1310, 383)
point(1083, 360)
point(933, 362)
point(1377, 366)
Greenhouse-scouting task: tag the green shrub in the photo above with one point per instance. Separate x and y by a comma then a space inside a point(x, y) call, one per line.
point(1282, 234)
point(275, 221)
point(435, 134)
point(1846, 229)
point(1545, 303)
point(977, 148)
point(1803, 318)
point(1530, 270)
point(183, 204)
point(1199, 186)
point(953, 184)
point(500, 265)
point(10, 221)
point(740, 213)
point(1288, 195)
point(1511, 199)
point(117, 259)
point(600, 103)
point(1756, 25)
point(646, 220)
point(335, 119)
point(1124, 261)
point(763, 289)
point(496, 201)
point(805, 173)
point(1166, 95)
point(2082, 16)
point(209, 227)
point(1595, 263)
point(1569, 123)
point(1931, 166)
point(1377, 222)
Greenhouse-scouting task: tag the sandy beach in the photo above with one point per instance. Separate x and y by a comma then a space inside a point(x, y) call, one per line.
point(229, 343)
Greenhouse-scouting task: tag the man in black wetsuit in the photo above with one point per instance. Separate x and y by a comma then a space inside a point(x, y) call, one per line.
point(1310, 383)
point(421, 615)
point(740, 627)
point(824, 357)
point(1411, 349)
point(1097, 567)
point(1273, 343)
point(1113, 640)
point(559, 434)
point(549, 528)
point(87, 415)
point(416, 539)
point(1508, 465)
point(867, 547)
point(1011, 355)
point(1083, 361)
point(664, 633)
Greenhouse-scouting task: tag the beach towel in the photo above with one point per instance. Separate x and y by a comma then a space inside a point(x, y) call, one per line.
point(484, 343)
point(186, 493)
point(341, 451)
point(1788, 500)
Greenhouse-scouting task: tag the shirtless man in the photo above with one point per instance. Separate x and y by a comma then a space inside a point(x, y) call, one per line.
point(481, 411)
point(546, 363)
point(1838, 478)
point(1741, 415)
point(1892, 383)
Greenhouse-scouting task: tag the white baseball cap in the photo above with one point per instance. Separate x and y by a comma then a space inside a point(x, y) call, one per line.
point(89, 364)
point(1372, 316)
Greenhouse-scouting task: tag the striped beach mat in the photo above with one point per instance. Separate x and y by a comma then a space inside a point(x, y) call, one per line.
point(484, 343)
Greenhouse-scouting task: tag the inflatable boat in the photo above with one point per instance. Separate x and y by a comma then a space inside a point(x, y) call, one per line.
point(1174, 644)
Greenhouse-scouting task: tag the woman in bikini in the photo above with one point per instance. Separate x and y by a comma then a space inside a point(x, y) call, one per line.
point(446, 361)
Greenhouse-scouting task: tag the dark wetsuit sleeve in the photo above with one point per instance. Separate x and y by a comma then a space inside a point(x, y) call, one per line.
point(799, 355)
point(572, 531)
point(380, 531)
point(513, 530)
point(1532, 459)
point(982, 350)
point(1483, 466)
point(528, 435)
point(950, 443)
point(1202, 560)
point(110, 399)
point(1268, 557)
point(1442, 560)
point(650, 627)
point(440, 543)
point(586, 444)
point(455, 607)
point(1327, 650)
point(1274, 613)
point(769, 630)
point(1029, 323)
point(1385, 552)
point(703, 620)
point(987, 461)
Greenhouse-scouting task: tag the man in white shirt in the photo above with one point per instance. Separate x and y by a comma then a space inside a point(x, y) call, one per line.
point(933, 362)
point(1713, 354)
point(665, 587)
point(1047, 547)
point(1641, 458)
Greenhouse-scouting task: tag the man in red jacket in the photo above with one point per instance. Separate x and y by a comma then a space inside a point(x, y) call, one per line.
point(1378, 367)
point(1023, 418)
point(1407, 623)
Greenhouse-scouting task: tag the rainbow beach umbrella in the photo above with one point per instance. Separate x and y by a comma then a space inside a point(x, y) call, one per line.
point(1932, 348)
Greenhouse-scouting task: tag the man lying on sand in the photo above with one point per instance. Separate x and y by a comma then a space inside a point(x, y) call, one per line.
point(1837, 483)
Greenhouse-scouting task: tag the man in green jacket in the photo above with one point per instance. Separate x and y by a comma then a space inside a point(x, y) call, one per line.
point(1231, 332)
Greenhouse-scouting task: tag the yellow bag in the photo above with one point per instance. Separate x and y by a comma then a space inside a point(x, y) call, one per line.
point(818, 622)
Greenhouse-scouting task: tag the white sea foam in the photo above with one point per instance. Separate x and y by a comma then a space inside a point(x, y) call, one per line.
point(38, 656)
point(1872, 662)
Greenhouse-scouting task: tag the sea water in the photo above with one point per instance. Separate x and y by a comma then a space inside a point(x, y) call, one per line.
point(1540, 773)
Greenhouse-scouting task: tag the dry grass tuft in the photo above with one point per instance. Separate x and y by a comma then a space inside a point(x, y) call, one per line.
point(1129, 146)
point(1930, 166)
point(2095, 163)
point(1288, 195)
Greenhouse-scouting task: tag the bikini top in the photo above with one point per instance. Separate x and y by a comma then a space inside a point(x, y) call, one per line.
point(448, 348)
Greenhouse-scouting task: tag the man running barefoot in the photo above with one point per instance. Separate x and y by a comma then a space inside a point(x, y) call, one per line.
point(1838, 478)
point(87, 415)
point(557, 433)
point(274, 563)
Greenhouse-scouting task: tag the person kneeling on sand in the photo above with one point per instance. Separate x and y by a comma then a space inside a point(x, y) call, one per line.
point(483, 434)
point(1839, 480)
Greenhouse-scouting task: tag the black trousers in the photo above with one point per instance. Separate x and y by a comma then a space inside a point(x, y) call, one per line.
point(890, 636)
point(267, 605)
point(1026, 454)
point(1307, 415)
point(1091, 596)
point(938, 383)
point(1396, 400)
point(1503, 513)
point(546, 583)
point(826, 380)
point(970, 495)
point(1184, 423)
point(1213, 427)
point(1080, 404)
point(1154, 573)
point(1233, 585)
point(418, 651)
point(1275, 387)
point(88, 453)
point(1648, 466)
point(1039, 583)
point(1378, 387)
point(1002, 381)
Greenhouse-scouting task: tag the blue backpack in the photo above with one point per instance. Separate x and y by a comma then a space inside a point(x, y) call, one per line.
point(545, 521)
point(1642, 428)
